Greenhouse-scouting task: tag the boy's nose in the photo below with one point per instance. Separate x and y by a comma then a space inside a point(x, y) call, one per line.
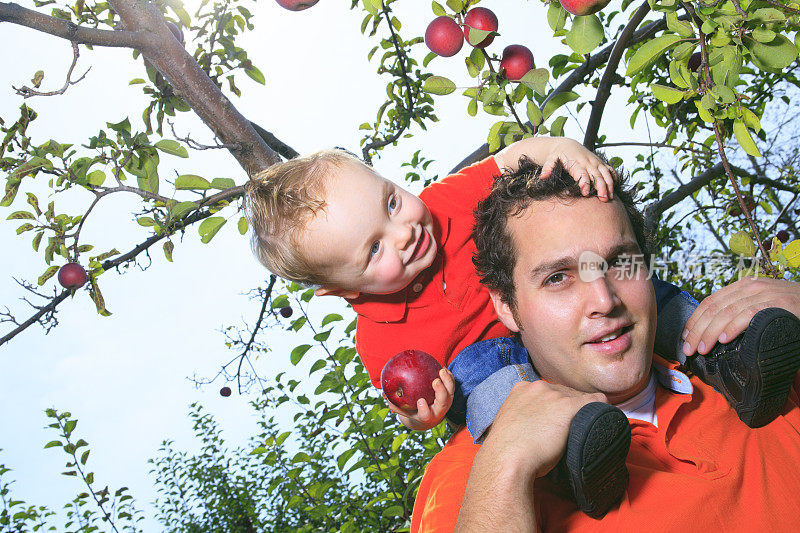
point(404, 236)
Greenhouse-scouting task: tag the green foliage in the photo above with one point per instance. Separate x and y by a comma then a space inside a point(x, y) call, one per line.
point(93, 509)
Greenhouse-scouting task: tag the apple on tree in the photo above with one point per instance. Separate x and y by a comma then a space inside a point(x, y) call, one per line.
point(517, 60)
point(783, 236)
point(409, 376)
point(72, 276)
point(225, 392)
point(583, 7)
point(296, 5)
point(480, 18)
point(444, 37)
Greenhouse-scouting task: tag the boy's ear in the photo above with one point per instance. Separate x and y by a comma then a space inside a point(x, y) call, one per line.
point(503, 311)
point(336, 291)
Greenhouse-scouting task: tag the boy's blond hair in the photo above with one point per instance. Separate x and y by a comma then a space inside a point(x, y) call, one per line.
point(279, 201)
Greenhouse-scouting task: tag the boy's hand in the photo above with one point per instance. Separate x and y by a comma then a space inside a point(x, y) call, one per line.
point(585, 167)
point(726, 313)
point(429, 416)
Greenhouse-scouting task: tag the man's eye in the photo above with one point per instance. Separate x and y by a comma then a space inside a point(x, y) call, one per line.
point(375, 247)
point(392, 203)
point(555, 279)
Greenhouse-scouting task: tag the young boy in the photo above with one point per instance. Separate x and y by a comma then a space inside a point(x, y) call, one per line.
point(403, 262)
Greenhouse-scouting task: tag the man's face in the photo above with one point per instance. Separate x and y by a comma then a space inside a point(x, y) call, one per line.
point(590, 332)
point(374, 236)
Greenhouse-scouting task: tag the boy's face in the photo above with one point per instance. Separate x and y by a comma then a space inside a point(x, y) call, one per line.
point(373, 236)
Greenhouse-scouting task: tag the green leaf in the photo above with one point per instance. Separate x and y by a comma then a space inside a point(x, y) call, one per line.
point(168, 248)
point(556, 16)
point(280, 302)
point(682, 28)
point(298, 353)
point(190, 181)
point(180, 209)
point(456, 5)
point(666, 94)
point(85, 457)
point(52, 444)
point(742, 244)
point(438, 85)
point(775, 55)
point(373, 6)
point(171, 147)
point(344, 457)
point(536, 79)
point(534, 114)
point(557, 128)
point(96, 177)
point(256, 75)
point(69, 427)
point(97, 298)
point(751, 119)
point(476, 36)
point(792, 253)
point(146, 221)
point(20, 215)
point(745, 140)
point(333, 317)
point(494, 136)
point(649, 52)
point(37, 239)
point(242, 225)
point(557, 101)
point(209, 227)
point(49, 273)
point(437, 8)
point(586, 33)
point(222, 183)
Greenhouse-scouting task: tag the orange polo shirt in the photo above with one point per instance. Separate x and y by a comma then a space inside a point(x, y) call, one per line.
point(700, 470)
point(445, 309)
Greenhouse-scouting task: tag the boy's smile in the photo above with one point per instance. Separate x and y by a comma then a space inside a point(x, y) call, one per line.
point(372, 236)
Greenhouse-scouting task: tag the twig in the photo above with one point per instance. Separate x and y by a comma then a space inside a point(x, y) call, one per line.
point(27, 92)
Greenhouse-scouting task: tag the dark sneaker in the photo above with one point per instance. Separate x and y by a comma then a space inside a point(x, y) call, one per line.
point(755, 371)
point(593, 466)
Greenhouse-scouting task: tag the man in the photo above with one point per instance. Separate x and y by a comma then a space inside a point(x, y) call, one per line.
point(693, 464)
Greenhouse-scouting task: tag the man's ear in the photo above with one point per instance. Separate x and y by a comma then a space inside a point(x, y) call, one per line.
point(503, 311)
point(336, 291)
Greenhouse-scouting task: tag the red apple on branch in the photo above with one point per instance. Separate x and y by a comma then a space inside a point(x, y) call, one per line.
point(225, 392)
point(408, 376)
point(783, 236)
point(72, 276)
point(583, 7)
point(296, 5)
point(480, 18)
point(444, 36)
point(516, 62)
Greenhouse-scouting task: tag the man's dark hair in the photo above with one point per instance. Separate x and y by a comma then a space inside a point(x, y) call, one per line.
point(512, 193)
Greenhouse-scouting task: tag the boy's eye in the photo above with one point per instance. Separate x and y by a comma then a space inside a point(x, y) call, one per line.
point(375, 247)
point(392, 203)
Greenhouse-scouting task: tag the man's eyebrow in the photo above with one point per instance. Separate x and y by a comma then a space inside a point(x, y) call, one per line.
point(629, 248)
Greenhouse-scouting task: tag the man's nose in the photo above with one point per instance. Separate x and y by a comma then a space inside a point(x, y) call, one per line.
point(601, 296)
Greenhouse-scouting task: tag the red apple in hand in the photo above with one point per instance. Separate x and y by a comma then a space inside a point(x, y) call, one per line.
point(72, 276)
point(444, 36)
point(408, 376)
point(296, 5)
point(583, 7)
point(516, 62)
point(480, 18)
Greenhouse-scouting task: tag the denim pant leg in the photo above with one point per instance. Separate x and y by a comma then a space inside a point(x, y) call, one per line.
point(484, 373)
point(674, 309)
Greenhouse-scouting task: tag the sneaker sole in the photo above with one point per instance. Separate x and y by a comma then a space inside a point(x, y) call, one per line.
point(598, 444)
point(774, 348)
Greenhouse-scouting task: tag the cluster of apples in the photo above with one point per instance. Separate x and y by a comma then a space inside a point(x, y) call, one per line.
point(445, 38)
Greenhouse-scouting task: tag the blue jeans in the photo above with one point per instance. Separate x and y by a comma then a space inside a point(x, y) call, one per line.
point(486, 371)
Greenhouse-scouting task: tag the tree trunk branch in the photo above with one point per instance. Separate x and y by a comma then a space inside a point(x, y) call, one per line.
point(604, 89)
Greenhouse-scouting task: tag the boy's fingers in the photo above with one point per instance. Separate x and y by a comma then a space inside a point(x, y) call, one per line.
point(448, 380)
point(602, 188)
point(608, 178)
point(548, 167)
point(423, 411)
